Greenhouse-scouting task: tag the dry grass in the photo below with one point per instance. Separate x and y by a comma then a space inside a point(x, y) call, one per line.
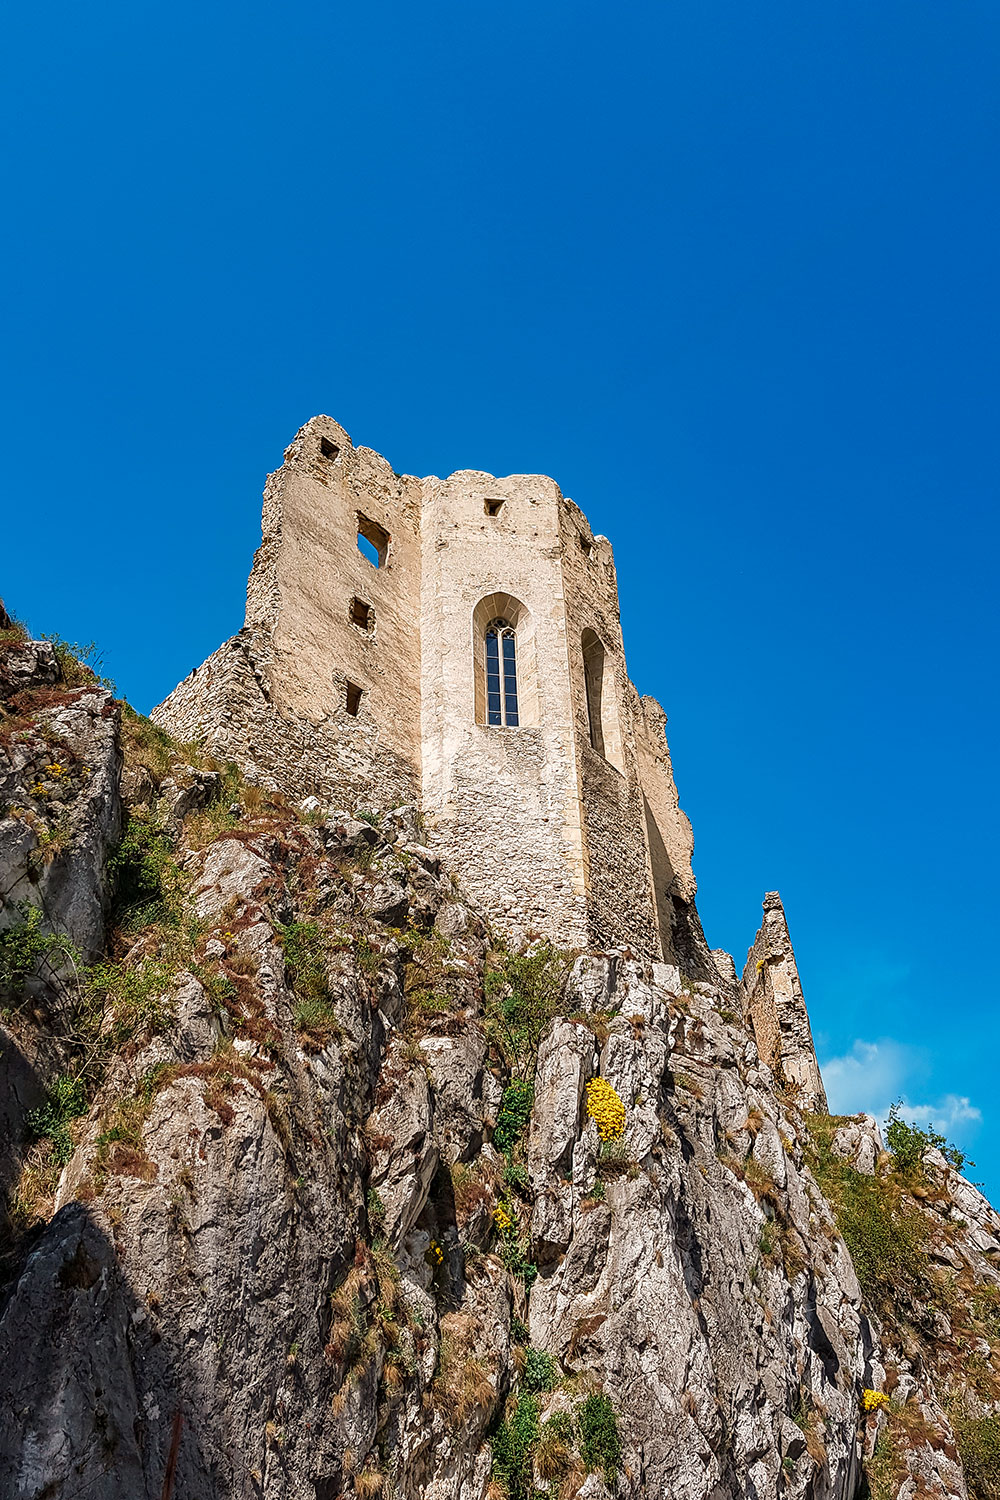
point(469, 1191)
point(462, 1384)
point(369, 1483)
point(33, 1198)
point(555, 1459)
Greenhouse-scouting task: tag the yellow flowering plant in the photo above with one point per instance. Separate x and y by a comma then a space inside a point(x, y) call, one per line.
point(606, 1109)
point(504, 1221)
point(873, 1400)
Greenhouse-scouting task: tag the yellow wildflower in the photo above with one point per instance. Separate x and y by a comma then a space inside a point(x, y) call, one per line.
point(606, 1109)
point(502, 1219)
point(55, 770)
point(874, 1400)
point(435, 1253)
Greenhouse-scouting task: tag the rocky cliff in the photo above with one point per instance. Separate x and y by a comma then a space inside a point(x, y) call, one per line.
point(313, 1188)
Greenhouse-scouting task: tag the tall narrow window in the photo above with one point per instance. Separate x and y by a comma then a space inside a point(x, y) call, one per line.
point(593, 676)
point(501, 674)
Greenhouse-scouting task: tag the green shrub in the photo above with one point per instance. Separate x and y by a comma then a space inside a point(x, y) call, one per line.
point(304, 947)
point(540, 1371)
point(145, 743)
point(518, 1330)
point(908, 1142)
point(514, 1114)
point(600, 1444)
point(979, 1449)
point(513, 1445)
point(140, 996)
point(146, 882)
point(305, 959)
point(65, 1101)
point(515, 1175)
point(523, 993)
point(25, 946)
point(80, 665)
point(886, 1235)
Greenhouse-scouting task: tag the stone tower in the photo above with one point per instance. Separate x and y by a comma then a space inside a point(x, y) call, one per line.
point(456, 643)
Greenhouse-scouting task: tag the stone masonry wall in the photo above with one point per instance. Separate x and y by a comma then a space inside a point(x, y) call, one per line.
point(503, 803)
point(225, 705)
point(671, 845)
point(619, 890)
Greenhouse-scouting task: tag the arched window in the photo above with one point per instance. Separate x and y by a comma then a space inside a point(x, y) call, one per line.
point(501, 674)
point(504, 668)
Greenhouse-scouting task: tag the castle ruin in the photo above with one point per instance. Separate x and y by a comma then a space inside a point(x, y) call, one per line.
point(456, 643)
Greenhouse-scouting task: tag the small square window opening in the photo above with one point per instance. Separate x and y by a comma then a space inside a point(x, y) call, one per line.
point(354, 696)
point(373, 542)
point(328, 450)
point(493, 507)
point(586, 547)
point(362, 614)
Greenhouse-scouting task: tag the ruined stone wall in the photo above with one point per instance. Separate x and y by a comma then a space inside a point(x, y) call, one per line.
point(340, 619)
point(225, 706)
point(619, 895)
point(776, 1008)
point(276, 697)
point(503, 802)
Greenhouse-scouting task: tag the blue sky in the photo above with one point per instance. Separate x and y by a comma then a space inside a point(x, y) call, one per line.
point(726, 271)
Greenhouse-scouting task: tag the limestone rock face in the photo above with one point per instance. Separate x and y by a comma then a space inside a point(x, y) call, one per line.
point(60, 818)
point(289, 1219)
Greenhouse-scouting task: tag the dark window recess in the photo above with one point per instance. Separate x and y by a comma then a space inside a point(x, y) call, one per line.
point(329, 450)
point(373, 542)
point(493, 507)
point(354, 695)
point(593, 677)
point(362, 614)
point(586, 547)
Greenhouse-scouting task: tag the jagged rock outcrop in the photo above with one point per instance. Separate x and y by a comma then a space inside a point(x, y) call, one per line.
point(335, 1215)
point(60, 819)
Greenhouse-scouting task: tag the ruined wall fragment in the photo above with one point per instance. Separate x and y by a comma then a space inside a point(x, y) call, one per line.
point(776, 1007)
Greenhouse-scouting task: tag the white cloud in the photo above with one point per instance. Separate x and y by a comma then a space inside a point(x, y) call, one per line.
point(950, 1110)
point(869, 1077)
point(873, 1075)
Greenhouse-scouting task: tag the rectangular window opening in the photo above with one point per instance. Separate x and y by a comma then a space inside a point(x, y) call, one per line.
point(362, 614)
point(354, 696)
point(586, 547)
point(493, 507)
point(329, 450)
point(373, 542)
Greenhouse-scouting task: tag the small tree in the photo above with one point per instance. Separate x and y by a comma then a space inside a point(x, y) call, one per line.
point(908, 1142)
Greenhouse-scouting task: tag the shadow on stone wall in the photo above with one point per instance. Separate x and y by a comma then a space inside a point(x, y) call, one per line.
point(681, 936)
point(80, 1357)
point(21, 1090)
